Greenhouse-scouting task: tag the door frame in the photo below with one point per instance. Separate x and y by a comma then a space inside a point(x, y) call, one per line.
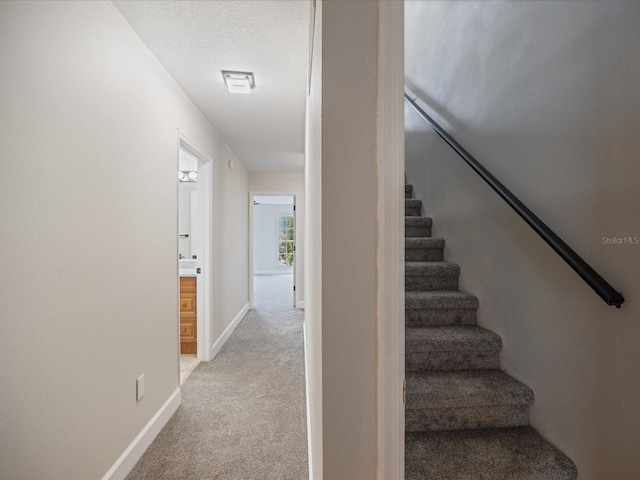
point(390, 153)
point(204, 234)
point(296, 265)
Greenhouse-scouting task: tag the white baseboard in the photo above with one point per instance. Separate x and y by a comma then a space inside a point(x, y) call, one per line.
point(134, 451)
point(215, 348)
point(300, 305)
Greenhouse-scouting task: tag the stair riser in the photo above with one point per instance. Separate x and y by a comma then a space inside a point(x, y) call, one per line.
point(417, 231)
point(431, 282)
point(440, 316)
point(431, 419)
point(453, 360)
point(424, 254)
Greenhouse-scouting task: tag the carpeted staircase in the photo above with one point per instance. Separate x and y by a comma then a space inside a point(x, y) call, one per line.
point(465, 418)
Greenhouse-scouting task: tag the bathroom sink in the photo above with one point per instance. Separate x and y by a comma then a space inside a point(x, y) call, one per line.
point(187, 267)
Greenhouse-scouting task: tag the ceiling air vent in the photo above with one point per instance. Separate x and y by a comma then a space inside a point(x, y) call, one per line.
point(239, 82)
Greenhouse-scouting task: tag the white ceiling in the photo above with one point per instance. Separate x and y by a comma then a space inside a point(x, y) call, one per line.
point(195, 40)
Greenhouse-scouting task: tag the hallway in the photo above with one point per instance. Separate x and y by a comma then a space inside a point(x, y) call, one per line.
point(242, 414)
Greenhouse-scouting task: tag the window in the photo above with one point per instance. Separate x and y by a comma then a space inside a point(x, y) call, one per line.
point(285, 240)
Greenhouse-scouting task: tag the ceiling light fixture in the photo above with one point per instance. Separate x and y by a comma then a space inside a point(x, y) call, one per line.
point(188, 176)
point(239, 82)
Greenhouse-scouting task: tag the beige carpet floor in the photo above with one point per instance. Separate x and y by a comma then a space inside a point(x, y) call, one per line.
point(242, 414)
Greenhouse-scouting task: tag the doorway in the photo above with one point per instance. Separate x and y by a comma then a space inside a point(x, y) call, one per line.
point(272, 263)
point(194, 254)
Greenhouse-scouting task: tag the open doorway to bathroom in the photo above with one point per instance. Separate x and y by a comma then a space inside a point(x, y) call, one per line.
point(273, 250)
point(194, 236)
point(187, 261)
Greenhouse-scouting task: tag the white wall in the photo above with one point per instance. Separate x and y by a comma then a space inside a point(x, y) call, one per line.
point(341, 187)
point(89, 279)
point(545, 95)
point(186, 161)
point(230, 258)
point(288, 183)
point(266, 238)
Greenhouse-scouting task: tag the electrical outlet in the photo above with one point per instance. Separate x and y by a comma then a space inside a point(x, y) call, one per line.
point(140, 387)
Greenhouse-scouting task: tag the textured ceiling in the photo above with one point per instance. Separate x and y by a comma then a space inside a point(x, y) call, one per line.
point(195, 40)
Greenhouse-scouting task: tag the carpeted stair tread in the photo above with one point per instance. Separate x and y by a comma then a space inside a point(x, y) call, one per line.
point(412, 207)
point(423, 242)
point(439, 299)
point(451, 348)
point(411, 221)
point(408, 191)
point(424, 276)
point(476, 388)
point(430, 275)
point(448, 338)
point(424, 249)
point(518, 453)
point(438, 269)
point(417, 226)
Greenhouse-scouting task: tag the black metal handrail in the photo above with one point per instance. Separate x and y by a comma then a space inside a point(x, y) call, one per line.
point(582, 268)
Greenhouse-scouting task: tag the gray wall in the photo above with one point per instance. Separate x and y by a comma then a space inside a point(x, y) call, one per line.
point(88, 208)
point(546, 95)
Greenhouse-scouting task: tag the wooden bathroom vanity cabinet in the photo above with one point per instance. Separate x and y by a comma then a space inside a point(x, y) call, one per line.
point(188, 315)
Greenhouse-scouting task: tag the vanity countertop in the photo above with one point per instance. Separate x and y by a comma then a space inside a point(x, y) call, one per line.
point(187, 267)
point(188, 272)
